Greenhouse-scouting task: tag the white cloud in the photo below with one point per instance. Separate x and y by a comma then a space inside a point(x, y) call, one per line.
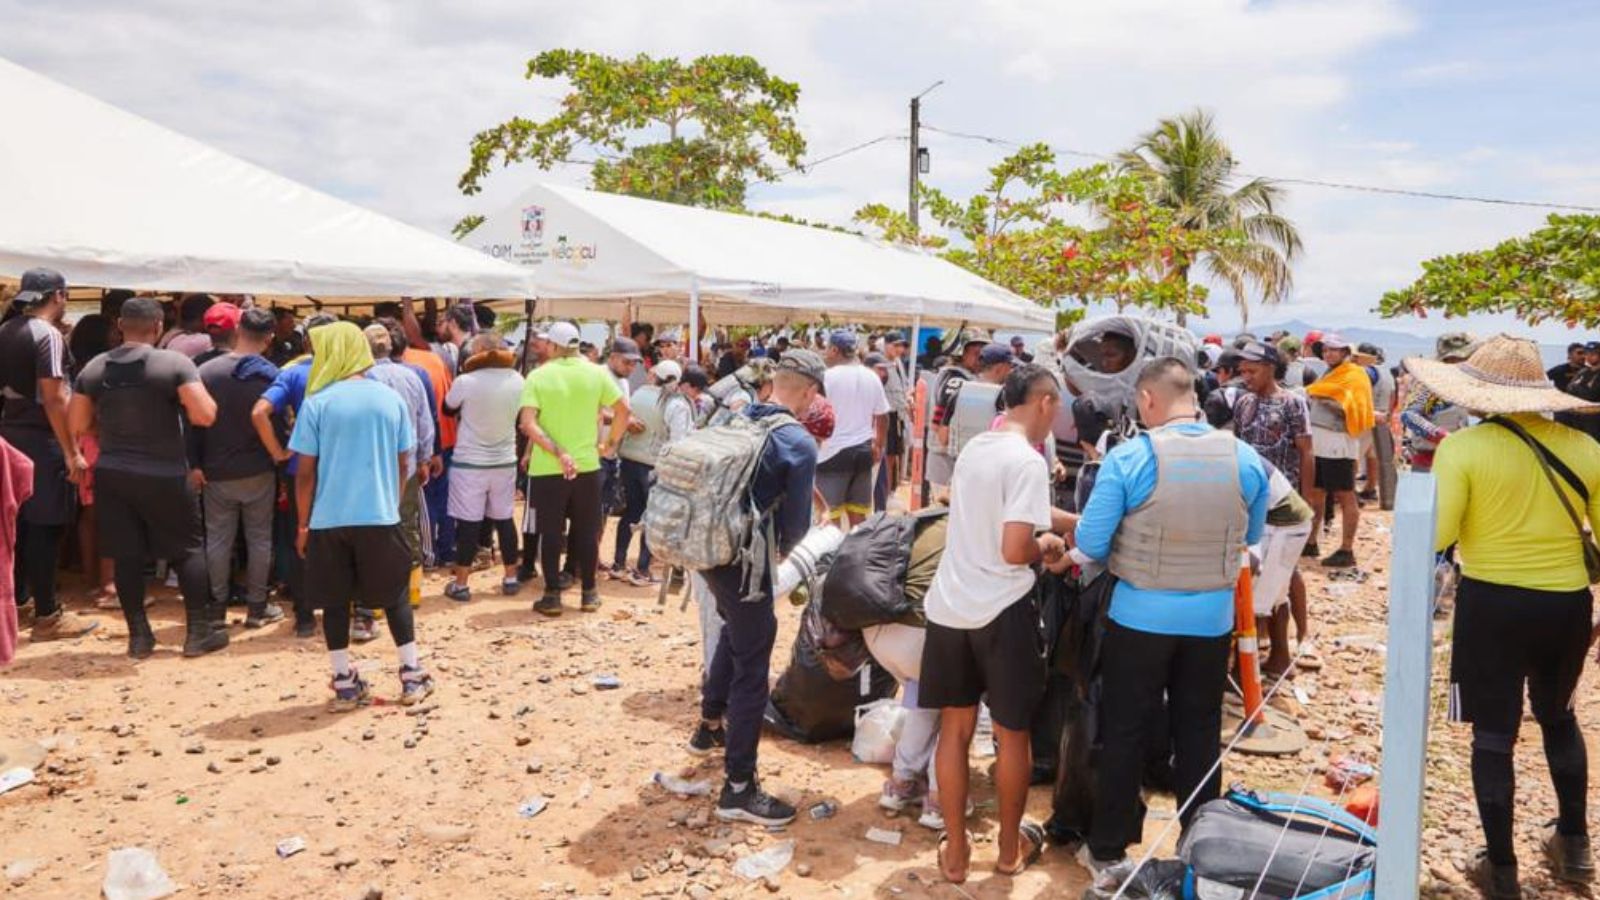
point(377, 100)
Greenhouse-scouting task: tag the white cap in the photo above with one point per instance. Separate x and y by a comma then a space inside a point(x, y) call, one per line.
point(667, 371)
point(563, 334)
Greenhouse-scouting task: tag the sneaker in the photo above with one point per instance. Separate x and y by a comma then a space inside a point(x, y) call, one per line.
point(107, 600)
point(349, 691)
point(1339, 559)
point(526, 574)
point(62, 626)
point(638, 578)
point(510, 586)
point(201, 638)
point(266, 614)
point(305, 628)
point(141, 643)
point(610, 573)
point(25, 614)
point(708, 738)
point(1497, 882)
point(1569, 856)
point(460, 593)
point(1310, 550)
point(932, 817)
point(415, 685)
point(566, 580)
point(590, 601)
point(549, 605)
point(363, 628)
point(897, 794)
point(752, 805)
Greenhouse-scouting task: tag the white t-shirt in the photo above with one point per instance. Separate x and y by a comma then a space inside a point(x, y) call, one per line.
point(998, 479)
point(857, 395)
point(489, 400)
point(1329, 444)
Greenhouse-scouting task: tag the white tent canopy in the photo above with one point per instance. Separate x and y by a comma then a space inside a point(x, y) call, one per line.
point(113, 200)
point(595, 254)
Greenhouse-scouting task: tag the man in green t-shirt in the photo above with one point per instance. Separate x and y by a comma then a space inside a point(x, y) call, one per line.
point(561, 403)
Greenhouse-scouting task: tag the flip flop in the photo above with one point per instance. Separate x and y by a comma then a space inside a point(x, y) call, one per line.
point(1034, 836)
point(944, 871)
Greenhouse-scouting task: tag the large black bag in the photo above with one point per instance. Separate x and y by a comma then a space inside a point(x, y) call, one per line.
point(867, 582)
point(1291, 846)
point(808, 704)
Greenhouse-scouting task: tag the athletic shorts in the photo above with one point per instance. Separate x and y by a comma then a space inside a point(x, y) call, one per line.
point(478, 494)
point(1335, 475)
point(1001, 663)
point(1507, 637)
point(1280, 553)
point(895, 441)
point(368, 564)
point(939, 467)
point(146, 516)
point(845, 480)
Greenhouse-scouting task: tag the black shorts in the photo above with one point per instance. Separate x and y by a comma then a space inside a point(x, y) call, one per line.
point(144, 517)
point(894, 443)
point(55, 499)
point(368, 564)
point(1506, 637)
point(845, 480)
point(1001, 663)
point(1336, 475)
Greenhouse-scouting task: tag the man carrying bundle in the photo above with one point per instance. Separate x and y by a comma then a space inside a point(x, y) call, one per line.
point(1341, 412)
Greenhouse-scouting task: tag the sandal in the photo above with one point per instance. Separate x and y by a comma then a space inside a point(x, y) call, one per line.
point(944, 839)
point(1033, 835)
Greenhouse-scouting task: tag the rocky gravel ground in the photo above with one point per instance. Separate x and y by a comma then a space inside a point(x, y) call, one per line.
point(528, 775)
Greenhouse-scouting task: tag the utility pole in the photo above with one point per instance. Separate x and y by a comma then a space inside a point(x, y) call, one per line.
point(916, 153)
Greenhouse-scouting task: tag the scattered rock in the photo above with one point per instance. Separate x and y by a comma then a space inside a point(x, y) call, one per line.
point(345, 861)
point(274, 760)
point(370, 892)
point(213, 768)
point(130, 795)
point(580, 688)
point(368, 735)
point(523, 740)
point(640, 873)
point(535, 766)
point(18, 871)
point(195, 747)
point(803, 870)
point(698, 892)
point(410, 743)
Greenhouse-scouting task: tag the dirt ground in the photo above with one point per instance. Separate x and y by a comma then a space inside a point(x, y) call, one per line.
point(210, 763)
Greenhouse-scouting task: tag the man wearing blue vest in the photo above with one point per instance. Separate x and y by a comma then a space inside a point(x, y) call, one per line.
point(1171, 513)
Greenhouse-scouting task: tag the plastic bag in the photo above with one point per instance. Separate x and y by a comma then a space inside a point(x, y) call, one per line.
point(766, 864)
point(878, 727)
point(132, 873)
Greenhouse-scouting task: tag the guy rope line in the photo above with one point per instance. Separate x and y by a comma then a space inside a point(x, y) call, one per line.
point(1244, 728)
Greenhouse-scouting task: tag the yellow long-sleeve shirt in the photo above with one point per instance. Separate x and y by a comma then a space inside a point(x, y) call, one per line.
point(1495, 501)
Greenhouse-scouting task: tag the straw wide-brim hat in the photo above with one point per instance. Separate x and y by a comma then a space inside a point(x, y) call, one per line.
point(1503, 375)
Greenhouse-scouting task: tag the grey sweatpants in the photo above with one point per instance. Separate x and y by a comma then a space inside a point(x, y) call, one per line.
point(227, 503)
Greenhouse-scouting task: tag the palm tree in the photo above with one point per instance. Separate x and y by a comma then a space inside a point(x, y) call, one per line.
point(1190, 170)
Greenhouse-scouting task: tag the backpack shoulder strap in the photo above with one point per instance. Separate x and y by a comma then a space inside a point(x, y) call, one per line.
point(1551, 464)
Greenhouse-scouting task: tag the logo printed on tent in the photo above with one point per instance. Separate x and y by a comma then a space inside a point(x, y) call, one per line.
point(532, 225)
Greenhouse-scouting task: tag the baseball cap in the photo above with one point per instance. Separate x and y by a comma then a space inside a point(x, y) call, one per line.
point(1312, 337)
point(1213, 339)
point(1457, 345)
point(876, 359)
point(378, 339)
point(1289, 344)
point(222, 317)
point(843, 341)
point(563, 334)
point(995, 354)
point(1591, 347)
point(967, 338)
point(1017, 341)
point(38, 284)
point(670, 336)
point(627, 348)
point(805, 362)
point(1259, 352)
point(895, 337)
point(667, 372)
point(1332, 341)
point(1367, 348)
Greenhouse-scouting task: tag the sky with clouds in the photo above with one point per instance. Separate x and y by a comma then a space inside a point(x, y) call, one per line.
point(377, 101)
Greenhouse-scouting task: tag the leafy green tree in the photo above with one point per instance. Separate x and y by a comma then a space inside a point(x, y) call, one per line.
point(1552, 274)
point(1189, 170)
point(1118, 249)
point(695, 132)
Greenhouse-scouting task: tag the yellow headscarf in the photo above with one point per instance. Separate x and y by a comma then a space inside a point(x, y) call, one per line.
point(338, 350)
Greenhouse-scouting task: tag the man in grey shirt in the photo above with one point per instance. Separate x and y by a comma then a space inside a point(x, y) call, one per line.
point(237, 478)
point(1381, 474)
point(897, 387)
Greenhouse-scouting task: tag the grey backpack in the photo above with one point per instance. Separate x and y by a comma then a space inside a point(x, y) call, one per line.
point(701, 514)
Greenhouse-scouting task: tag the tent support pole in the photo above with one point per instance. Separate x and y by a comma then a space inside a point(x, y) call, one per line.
point(527, 333)
point(692, 339)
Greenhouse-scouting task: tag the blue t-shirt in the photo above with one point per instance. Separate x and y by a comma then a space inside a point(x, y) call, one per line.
point(1127, 479)
point(357, 430)
point(286, 393)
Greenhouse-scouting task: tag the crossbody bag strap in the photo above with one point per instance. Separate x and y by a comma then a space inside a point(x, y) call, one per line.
point(1546, 458)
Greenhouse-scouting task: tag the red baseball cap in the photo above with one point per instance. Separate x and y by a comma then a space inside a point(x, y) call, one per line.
point(1312, 337)
point(222, 317)
point(1213, 339)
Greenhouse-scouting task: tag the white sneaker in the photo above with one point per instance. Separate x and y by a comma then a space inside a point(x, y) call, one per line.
point(1095, 866)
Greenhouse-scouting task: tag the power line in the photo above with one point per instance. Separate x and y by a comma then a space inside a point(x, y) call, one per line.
point(1305, 182)
point(812, 163)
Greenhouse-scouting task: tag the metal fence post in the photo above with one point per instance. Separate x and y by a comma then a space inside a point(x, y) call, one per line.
point(1405, 688)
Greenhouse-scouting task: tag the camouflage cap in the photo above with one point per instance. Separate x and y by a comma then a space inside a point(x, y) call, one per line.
point(1454, 347)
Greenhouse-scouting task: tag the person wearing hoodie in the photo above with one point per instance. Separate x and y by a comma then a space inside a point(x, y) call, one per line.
point(735, 688)
point(236, 475)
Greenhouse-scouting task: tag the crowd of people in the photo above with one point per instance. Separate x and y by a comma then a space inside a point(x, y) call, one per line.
point(318, 466)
